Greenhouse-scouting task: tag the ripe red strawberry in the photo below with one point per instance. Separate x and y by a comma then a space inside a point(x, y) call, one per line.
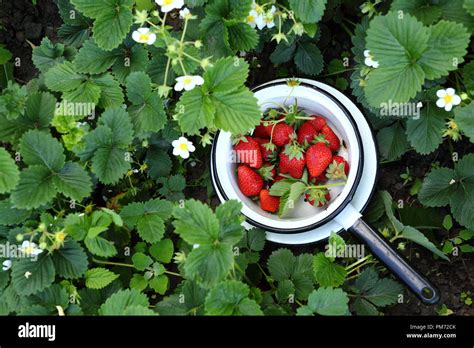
point(322, 179)
point(318, 122)
point(331, 137)
point(268, 149)
point(292, 161)
point(250, 182)
point(282, 134)
point(269, 203)
point(319, 197)
point(279, 177)
point(306, 133)
point(318, 157)
point(260, 131)
point(248, 152)
point(267, 172)
point(339, 160)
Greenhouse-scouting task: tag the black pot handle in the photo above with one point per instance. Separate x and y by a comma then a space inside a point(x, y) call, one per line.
point(396, 263)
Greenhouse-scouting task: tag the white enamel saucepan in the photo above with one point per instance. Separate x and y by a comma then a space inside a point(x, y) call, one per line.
point(305, 223)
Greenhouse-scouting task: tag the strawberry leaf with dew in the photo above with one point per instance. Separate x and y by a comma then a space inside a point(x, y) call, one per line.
point(465, 120)
point(455, 187)
point(113, 19)
point(223, 101)
point(326, 272)
point(231, 298)
point(408, 53)
point(147, 110)
point(148, 218)
point(309, 11)
point(41, 274)
point(326, 301)
point(213, 234)
point(9, 173)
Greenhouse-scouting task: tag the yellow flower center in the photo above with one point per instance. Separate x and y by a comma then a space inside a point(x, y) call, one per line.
point(187, 80)
point(60, 236)
point(448, 98)
point(168, 2)
point(144, 37)
point(29, 250)
point(183, 146)
point(259, 9)
point(250, 19)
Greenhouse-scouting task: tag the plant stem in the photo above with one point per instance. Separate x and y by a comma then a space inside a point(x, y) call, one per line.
point(327, 185)
point(128, 265)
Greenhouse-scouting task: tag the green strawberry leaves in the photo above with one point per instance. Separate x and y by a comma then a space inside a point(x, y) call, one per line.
point(455, 187)
point(222, 102)
point(213, 235)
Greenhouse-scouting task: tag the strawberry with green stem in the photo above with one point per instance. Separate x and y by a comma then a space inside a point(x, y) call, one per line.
point(338, 169)
point(248, 151)
point(318, 157)
point(267, 172)
point(292, 160)
point(318, 197)
point(306, 133)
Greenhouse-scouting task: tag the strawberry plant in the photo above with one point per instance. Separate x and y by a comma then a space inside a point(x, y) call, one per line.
point(106, 200)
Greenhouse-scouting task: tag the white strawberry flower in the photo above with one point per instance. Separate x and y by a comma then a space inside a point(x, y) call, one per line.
point(182, 147)
point(269, 18)
point(7, 264)
point(184, 13)
point(170, 5)
point(369, 60)
point(447, 98)
point(30, 248)
point(252, 18)
point(188, 82)
point(143, 35)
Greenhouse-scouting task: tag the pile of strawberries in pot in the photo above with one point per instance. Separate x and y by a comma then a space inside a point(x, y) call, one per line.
point(305, 149)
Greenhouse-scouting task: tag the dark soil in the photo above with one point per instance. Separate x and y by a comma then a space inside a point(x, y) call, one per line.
point(23, 23)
